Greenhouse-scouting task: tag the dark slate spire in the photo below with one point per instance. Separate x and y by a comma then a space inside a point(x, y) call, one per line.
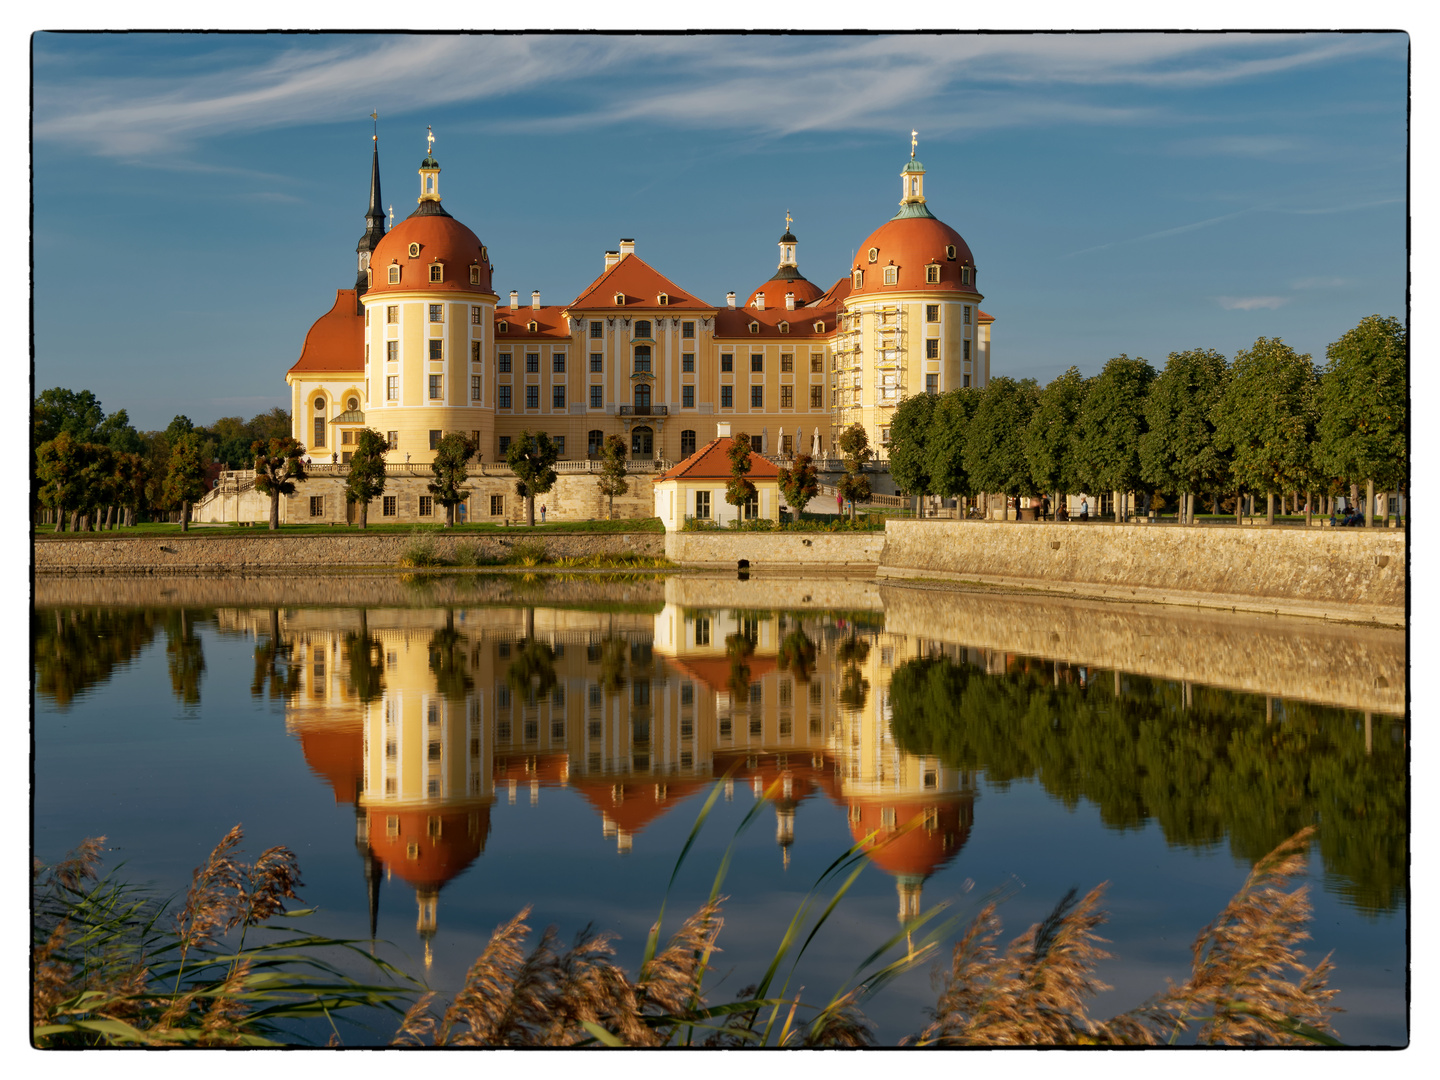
point(374, 224)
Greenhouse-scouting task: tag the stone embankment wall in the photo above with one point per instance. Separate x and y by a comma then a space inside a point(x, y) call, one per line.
point(220, 550)
point(1353, 667)
point(1356, 574)
point(789, 549)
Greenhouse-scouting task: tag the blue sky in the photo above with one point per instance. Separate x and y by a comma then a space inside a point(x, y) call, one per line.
point(197, 198)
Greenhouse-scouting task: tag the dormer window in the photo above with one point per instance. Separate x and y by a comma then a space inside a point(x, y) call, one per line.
point(414, 251)
point(964, 275)
point(950, 252)
point(437, 271)
point(784, 327)
point(502, 327)
point(394, 275)
point(819, 328)
point(874, 255)
point(932, 274)
point(754, 328)
point(474, 275)
point(532, 326)
point(619, 299)
point(859, 279)
point(892, 274)
point(663, 299)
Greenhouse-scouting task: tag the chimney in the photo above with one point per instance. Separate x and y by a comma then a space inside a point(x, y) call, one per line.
point(627, 247)
point(789, 301)
point(722, 431)
point(730, 299)
point(535, 299)
point(611, 258)
point(514, 300)
point(759, 301)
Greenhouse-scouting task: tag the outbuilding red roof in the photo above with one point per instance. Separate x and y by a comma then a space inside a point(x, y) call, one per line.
point(336, 342)
point(712, 462)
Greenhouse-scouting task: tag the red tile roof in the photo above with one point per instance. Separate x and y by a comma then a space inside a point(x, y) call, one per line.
point(712, 462)
point(337, 340)
point(550, 323)
point(735, 322)
point(641, 285)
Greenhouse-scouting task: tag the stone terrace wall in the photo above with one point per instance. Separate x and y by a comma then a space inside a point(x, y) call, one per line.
point(771, 549)
point(1355, 667)
point(210, 550)
point(1335, 573)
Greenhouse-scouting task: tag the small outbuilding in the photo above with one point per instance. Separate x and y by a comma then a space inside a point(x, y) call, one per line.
point(695, 488)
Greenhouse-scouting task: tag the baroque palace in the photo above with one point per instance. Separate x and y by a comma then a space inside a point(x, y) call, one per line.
point(421, 346)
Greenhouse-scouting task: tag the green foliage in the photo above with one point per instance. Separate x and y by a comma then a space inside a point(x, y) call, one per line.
point(448, 487)
point(1265, 420)
point(184, 655)
point(526, 553)
point(799, 484)
point(739, 490)
point(1178, 451)
point(910, 431)
point(995, 442)
point(279, 467)
point(421, 551)
point(854, 485)
point(612, 480)
point(532, 458)
point(945, 447)
point(1204, 773)
point(1049, 440)
point(1363, 420)
point(1111, 422)
point(77, 649)
point(365, 481)
point(62, 470)
point(185, 478)
point(532, 673)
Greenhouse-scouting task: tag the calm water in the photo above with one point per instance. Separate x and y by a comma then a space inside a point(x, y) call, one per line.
point(441, 753)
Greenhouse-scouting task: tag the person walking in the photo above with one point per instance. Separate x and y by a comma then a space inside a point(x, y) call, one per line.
point(542, 513)
point(1084, 509)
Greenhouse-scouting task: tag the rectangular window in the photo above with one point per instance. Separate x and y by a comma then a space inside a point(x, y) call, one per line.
point(319, 439)
point(392, 314)
point(347, 438)
point(504, 444)
point(344, 457)
point(435, 436)
point(597, 397)
point(932, 312)
point(597, 330)
point(437, 272)
point(435, 312)
point(392, 351)
point(787, 362)
point(702, 511)
point(757, 361)
point(932, 348)
point(477, 315)
point(503, 362)
point(475, 355)
point(884, 435)
point(317, 505)
point(757, 397)
point(787, 397)
point(892, 275)
point(687, 329)
point(966, 319)
point(559, 442)
point(752, 511)
point(436, 391)
point(967, 380)
point(392, 440)
point(557, 397)
point(727, 361)
point(687, 361)
point(532, 361)
point(532, 397)
point(497, 505)
point(557, 362)
point(392, 387)
point(966, 354)
point(932, 384)
point(437, 349)
point(727, 397)
point(502, 397)
point(817, 397)
point(474, 387)
point(687, 397)
point(597, 361)
point(932, 275)
point(427, 505)
point(387, 506)
point(817, 363)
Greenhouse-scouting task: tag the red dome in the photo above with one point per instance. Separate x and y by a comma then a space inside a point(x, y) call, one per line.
point(442, 239)
point(775, 289)
point(911, 244)
point(440, 854)
point(924, 848)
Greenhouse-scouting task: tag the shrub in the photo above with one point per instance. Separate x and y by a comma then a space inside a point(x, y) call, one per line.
point(527, 553)
point(421, 552)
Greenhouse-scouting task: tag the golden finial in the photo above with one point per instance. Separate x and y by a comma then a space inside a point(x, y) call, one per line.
point(913, 136)
point(375, 120)
point(392, 215)
point(788, 220)
point(429, 140)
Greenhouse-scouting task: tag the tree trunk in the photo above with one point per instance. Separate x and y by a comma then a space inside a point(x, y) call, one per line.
point(530, 510)
point(1385, 509)
point(185, 516)
point(1369, 504)
point(364, 505)
point(1239, 508)
point(1309, 510)
point(59, 518)
point(275, 510)
point(1269, 508)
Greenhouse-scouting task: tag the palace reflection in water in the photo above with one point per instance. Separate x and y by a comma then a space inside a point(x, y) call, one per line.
point(422, 719)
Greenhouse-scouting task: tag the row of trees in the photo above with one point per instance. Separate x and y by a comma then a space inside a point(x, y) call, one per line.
point(1267, 423)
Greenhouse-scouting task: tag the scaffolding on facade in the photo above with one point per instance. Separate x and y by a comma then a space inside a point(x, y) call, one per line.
point(889, 356)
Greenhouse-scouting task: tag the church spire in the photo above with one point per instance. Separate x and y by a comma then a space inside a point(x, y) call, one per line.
point(374, 219)
point(912, 179)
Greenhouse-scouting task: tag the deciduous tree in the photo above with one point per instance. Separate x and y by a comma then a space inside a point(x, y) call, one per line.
point(1111, 422)
point(532, 458)
point(61, 469)
point(366, 479)
point(1178, 450)
point(799, 484)
point(185, 478)
point(279, 467)
point(449, 467)
point(855, 485)
point(945, 447)
point(910, 431)
point(612, 479)
point(995, 440)
point(1049, 439)
point(739, 490)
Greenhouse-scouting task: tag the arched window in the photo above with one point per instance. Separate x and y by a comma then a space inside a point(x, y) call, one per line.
point(595, 443)
point(687, 443)
point(642, 328)
point(642, 440)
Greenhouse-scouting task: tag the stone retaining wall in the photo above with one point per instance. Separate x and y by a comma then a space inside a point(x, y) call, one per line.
point(761, 549)
point(220, 550)
point(1356, 574)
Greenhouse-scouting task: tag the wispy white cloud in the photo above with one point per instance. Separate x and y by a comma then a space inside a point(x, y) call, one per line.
point(1161, 234)
point(770, 85)
point(1251, 303)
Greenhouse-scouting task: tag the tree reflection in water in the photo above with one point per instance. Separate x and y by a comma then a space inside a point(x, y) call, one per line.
point(185, 654)
point(77, 649)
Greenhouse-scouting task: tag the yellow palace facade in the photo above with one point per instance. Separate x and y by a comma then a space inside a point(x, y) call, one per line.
point(423, 345)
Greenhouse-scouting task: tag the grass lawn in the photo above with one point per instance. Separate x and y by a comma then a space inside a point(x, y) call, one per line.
point(628, 525)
